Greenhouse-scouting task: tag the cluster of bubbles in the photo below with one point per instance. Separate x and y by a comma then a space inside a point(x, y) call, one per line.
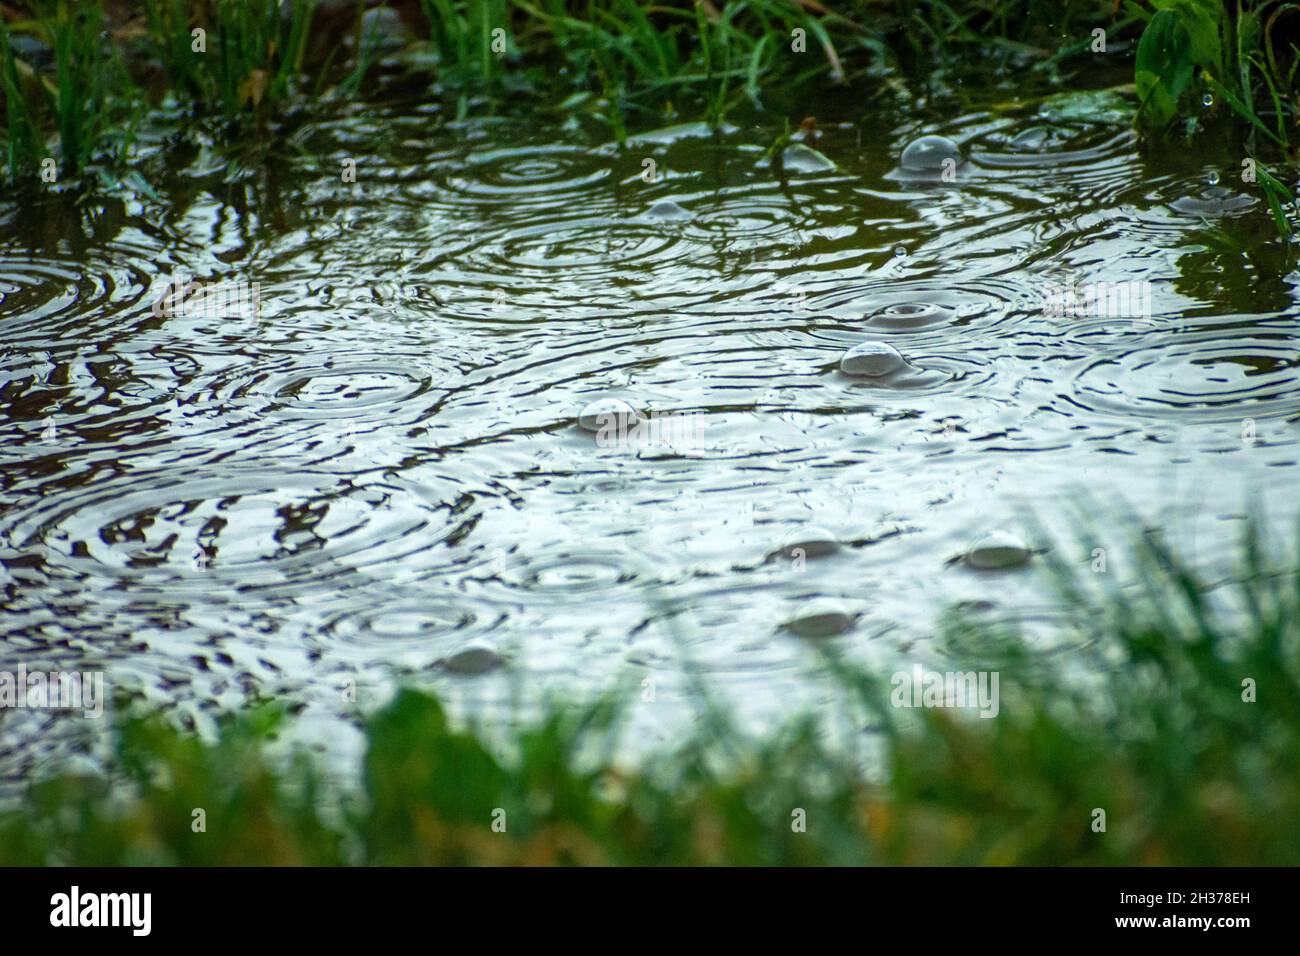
point(872, 362)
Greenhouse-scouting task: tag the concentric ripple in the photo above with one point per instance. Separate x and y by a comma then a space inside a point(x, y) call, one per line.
point(42, 299)
point(432, 623)
point(919, 306)
point(525, 176)
point(339, 389)
point(1213, 201)
point(582, 248)
point(208, 537)
point(386, 461)
point(342, 387)
point(563, 572)
point(1197, 378)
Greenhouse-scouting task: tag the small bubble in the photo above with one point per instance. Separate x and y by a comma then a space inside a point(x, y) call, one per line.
point(899, 252)
point(1207, 99)
point(1213, 179)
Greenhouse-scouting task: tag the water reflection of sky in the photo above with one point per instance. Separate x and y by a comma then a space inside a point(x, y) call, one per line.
point(382, 468)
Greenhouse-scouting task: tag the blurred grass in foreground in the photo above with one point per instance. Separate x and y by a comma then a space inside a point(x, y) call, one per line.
point(1151, 727)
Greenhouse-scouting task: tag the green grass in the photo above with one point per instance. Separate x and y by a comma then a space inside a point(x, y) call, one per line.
point(248, 57)
point(644, 62)
point(1194, 52)
point(1146, 720)
point(634, 63)
point(24, 140)
point(1199, 58)
point(81, 109)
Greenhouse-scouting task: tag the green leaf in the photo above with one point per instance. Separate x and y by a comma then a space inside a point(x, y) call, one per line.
point(1276, 193)
point(1163, 69)
point(1241, 109)
point(1201, 19)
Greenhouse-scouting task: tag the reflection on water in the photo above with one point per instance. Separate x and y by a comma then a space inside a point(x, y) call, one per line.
point(380, 466)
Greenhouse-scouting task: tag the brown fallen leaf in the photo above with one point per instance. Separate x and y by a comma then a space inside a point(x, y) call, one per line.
point(254, 88)
point(809, 130)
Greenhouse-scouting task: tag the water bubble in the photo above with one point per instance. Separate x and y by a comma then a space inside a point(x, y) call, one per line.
point(1212, 201)
point(668, 210)
point(1207, 99)
point(899, 252)
point(998, 550)
point(1031, 139)
point(476, 658)
point(821, 618)
point(808, 542)
point(872, 360)
point(798, 158)
point(383, 29)
point(608, 412)
point(1213, 178)
point(911, 315)
point(928, 154)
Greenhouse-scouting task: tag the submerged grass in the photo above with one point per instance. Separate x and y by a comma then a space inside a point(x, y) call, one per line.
point(1179, 719)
